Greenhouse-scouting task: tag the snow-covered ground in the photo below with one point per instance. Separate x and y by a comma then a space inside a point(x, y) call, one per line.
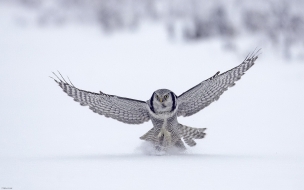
point(47, 141)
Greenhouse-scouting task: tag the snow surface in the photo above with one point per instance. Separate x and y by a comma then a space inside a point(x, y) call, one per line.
point(255, 131)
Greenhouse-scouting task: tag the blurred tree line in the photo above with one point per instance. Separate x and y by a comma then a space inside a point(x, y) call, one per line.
point(280, 21)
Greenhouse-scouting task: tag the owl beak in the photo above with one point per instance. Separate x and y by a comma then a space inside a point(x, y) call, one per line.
point(160, 99)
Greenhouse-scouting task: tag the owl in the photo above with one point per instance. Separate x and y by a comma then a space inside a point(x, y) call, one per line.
point(163, 108)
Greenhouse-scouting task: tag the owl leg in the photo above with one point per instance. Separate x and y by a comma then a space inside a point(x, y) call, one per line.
point(157, 138)
point(159, 146)
point(164, 137)
point(190, 133)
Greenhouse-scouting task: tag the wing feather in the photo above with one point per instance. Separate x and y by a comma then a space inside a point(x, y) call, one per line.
point(126, 110)
point(210, 90)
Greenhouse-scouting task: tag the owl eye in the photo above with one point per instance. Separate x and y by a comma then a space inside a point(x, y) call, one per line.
point(157, 97)
point(166, 96)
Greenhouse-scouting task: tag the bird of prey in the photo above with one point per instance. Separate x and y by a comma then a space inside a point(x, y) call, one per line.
point(163, 108)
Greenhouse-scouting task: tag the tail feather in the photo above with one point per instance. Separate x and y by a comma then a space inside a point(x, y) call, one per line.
point(189, 142)
point(149, 136)
point(179, 144)
point(190, 133)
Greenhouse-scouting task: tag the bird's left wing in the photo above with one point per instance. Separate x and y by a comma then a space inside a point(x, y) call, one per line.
point(122, 109)
point(206, 92)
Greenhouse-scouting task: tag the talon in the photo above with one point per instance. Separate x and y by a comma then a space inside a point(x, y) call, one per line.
point(166, 134)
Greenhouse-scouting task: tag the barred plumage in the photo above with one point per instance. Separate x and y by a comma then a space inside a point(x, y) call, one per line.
point(210, 90)
point(190, 133)
point(163, 107)
point(122, 109)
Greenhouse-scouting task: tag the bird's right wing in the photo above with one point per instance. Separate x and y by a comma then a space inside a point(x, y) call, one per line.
point(206, 92)
point(122, 109)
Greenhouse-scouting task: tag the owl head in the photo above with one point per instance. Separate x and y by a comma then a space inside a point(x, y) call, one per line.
point(163, 100)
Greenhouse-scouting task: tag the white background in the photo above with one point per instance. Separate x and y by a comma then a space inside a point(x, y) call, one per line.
point(47, 141)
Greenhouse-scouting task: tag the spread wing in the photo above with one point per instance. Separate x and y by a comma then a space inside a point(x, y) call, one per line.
point(206, 92)
point(122, 109)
